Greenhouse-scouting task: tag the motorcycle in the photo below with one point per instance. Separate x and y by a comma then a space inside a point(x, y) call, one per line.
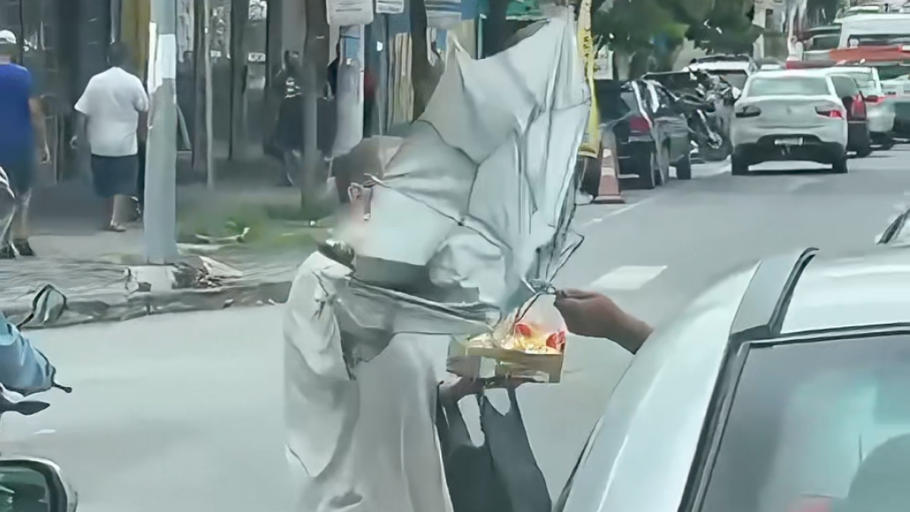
point(711, 143)
point(29, 484)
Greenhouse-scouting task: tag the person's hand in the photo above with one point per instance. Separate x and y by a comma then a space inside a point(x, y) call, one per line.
point(596, 315)
point(45, 155)
point(74, 142)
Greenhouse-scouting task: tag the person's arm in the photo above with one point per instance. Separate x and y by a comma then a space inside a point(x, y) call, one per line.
point(142, 104)
point(23, 368)
point(596, 315)
point(81, 115)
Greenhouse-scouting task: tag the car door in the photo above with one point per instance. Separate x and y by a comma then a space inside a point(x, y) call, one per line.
point(674, 124)
point(651, 102)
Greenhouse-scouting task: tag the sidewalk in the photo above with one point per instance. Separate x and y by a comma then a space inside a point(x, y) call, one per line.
point(93, 268)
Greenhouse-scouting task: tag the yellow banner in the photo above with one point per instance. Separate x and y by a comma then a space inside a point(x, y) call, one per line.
point(590, 144)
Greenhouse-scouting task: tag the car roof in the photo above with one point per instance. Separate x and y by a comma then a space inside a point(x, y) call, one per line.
point(787, 73)
point(835, 69)
point(870, 287)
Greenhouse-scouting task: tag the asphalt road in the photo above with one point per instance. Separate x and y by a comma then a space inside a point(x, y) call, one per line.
point(183, 412)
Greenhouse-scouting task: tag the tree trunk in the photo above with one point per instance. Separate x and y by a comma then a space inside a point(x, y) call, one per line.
point(639, 64)
point(421, 70)
point(313, 173)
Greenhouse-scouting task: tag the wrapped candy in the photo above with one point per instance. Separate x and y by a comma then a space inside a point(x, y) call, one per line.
point(529, 346)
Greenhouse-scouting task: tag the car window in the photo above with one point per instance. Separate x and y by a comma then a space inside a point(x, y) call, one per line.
point(788, 86)
point(664, 100)
point(735, 78)
point(823, 42)
point(865, 80)
point(803, 420)
point(844, 86)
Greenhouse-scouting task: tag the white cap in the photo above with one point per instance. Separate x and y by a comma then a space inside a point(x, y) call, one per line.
point(7, 37)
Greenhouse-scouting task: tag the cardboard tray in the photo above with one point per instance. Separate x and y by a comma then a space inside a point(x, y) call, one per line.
point(485, 363)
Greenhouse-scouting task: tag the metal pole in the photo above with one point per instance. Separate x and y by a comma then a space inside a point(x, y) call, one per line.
point(160, 216)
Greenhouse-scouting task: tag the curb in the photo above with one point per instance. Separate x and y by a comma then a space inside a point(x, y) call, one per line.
point(117, 308)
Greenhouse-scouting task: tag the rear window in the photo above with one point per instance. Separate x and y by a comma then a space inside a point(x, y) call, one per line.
point(789, 86)
point(844, 86)
point(823, 42)
point(892, 71)
point(735, 78)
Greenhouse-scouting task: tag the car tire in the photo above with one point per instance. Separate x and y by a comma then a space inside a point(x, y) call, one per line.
point(738, 167)
point(840, 165)
point(888, 143)
point(864, 150)
point(684, 168)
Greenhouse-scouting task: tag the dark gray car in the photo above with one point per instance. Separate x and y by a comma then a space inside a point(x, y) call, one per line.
point(786, 387)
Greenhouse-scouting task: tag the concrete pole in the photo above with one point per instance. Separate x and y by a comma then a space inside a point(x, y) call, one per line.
point(349, 95)
point(160, 216)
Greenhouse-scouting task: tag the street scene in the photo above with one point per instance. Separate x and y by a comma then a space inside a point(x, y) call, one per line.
point(291, 275)
point(192, 403)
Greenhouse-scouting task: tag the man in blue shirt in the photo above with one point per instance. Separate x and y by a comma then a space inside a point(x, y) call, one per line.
point(21, 123)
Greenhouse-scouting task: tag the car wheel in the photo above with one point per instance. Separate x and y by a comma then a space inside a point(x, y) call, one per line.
point(864, 150)
point(840, 165)
point(888, 144)
point(738, 167)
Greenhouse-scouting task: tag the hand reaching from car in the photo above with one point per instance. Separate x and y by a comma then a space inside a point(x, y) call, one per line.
point(597, 316)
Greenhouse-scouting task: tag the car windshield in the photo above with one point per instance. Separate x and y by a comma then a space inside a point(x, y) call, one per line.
point(788, 86)
point(735, 78)
point(806, 425)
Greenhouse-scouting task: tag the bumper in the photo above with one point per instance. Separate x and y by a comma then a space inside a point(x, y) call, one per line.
point(635, 155)
point(881, 120)
point(743, 134)
point(812, 150)
point(858, 135)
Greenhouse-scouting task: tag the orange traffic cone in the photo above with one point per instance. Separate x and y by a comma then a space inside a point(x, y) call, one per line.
point(608, 190)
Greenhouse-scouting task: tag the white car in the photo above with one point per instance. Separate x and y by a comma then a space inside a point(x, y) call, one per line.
point(789, 115)
point(879, 111)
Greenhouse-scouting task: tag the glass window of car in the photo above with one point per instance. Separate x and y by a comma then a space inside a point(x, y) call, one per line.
point(844, 86)
point(823, 42)
point(788, 86)
point(864, 79)
point(735, 78)
point(804, 418)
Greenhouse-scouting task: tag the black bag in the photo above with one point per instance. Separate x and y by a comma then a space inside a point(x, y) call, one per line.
point(501, 475)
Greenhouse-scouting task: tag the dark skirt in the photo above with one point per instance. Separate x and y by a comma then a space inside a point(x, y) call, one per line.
point(20, 172)
point(115, 175)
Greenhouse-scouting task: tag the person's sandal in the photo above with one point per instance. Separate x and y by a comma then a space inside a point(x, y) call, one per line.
point(115, 228)
point(23, 248)
point(7, 252)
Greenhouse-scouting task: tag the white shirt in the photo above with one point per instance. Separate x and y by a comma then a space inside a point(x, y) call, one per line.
point(366, 444)
point(112, 102)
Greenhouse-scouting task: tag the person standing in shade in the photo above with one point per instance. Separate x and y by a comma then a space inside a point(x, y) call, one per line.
point(110, 112)
point(21, 122)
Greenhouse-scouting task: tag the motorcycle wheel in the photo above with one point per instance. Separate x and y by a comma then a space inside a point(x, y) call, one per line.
point(718, 154)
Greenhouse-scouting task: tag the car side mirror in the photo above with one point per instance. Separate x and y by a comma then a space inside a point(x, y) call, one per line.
point(32, 484)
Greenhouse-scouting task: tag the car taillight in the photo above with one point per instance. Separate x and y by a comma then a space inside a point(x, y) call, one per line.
point(858, 107)
point(875, 100)
point(639, 124)
point(833, 113)
point(748, 111)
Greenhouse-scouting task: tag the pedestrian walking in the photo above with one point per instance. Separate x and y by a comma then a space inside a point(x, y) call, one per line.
point(21, 126)
point(109, 112)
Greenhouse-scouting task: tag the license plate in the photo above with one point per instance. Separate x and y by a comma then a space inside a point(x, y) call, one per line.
point(795, 141)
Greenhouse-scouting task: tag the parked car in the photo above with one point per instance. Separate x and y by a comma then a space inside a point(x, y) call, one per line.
point(879, 112)
point(783, 388)
point(789, 115)
point(651, 135)
point(859, 138)
point(896, 84)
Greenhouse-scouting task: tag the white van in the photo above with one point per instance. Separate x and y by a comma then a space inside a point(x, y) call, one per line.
point(875, 30)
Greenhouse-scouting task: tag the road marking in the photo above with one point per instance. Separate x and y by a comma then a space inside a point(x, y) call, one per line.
point(614, 213)
point(627, 278)
point(45, 432)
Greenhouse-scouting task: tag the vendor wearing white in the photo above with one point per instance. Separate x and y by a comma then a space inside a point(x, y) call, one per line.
point(364, 442)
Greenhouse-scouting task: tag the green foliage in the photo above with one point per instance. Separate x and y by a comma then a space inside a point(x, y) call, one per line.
point(717, 25)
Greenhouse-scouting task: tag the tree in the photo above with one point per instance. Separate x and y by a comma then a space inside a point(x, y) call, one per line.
point(728, 28)
point(629, 28)
point(313, 169)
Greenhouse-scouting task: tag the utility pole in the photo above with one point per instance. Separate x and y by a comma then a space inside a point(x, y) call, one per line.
point(160, 215)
